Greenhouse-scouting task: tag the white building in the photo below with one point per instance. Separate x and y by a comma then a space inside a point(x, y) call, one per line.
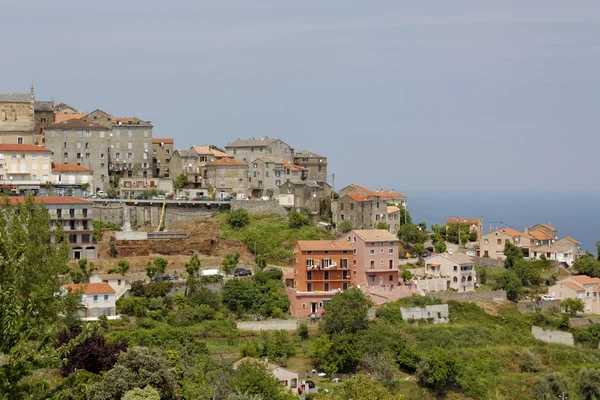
point(446, 272)
point(562, 254)
point(96, 298)
point(116, 281)
point(579, 287)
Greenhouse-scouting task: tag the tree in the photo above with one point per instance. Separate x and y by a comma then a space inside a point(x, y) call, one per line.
point(156, 267)
point(363, 387)
point(510, 282)
point(405, 216)
point(238, 218)
point(83, 274)
point(123, 268)
point(573, 306)
point(180, 180)
point(138, 367)
point(383, 225)
point(439, 370)
point(261, 261)
point(297, 220)
point(440, 247)
point(527, 271)
point(598, 250)
point(512, 253)
point(589, 383)
point(253, 378)
point(409, 233)
point(147, 393)
point(230, 262)
point(345, 226)
point(30, 270)
point(347, 312)
point(334, 353)
point(419, 249)
point(587, 265)
point(406, 275)
point(303, 331)
point(455, 231)
point(240, 295)
point(549, 386)
point(95, 354)
point(193, 265)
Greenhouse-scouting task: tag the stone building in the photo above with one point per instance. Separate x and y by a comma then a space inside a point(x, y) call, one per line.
point(24, 168)
point(17, 118)
point(226, 177)
point(162, 150)
point(193, 163)
point(43, 115)
point(84, 144)
point(131, 148)
point(314, 163)
point(308, 194)
point(249, 150)
point(268, 173)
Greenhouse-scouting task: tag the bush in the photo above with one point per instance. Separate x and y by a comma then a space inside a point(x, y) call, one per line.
point(94, 354)
point(439, 370)
point(345, 226)
point(297, 220)
point(530, 363)
point(589, 383)
point(238, 218)
point(550, 386)
point(157, 289)
point(133, 306)
point(302, 331)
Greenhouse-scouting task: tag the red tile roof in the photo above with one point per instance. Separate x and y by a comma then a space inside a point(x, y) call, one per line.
point(551, 228)
point(162, 140)
point(539, 235)
point(58, 118)
point(126, 121)
point(390, 195)
point(364, 190)
point(357, 197)
point(71, 168)
point(392, 209)
point(512, 232)
point(584, 279)
point(90, 288)
point(574, 241)
point(23, 147)
point(48, 200)
point(210, 150)
point(77, 124)
point(573, 286)
point(226, 161)
point(318, 245)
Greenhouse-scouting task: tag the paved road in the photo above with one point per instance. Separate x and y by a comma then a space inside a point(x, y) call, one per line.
point(178, 202)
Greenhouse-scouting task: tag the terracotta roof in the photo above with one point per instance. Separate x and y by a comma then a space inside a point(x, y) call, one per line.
point(470, 221)
point(510, 232)
point(364, 190)
point(71, 168)
point(226, 161)
point(458, 258)
point(574, 241)
point(109, 277)
point(551, 228)
point(375, 235)
point(572, 285)
point(584, 279)
point(130, 122)
point(390, 195)
point(162, 140)
point(15, 97)
point(392, 209)
point(318, 245)
point(357, 197)
point(90, 288)
point(48, 200)
point(76, 124)
point(58, 118)
point(210, 150)
point(24, 147)
point(292, 166)
point(539, 235)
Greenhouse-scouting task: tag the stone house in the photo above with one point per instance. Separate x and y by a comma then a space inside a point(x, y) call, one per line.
point(193, 163)
point(131, 148)
point(376, 256)
point(247, 151)
point(541, 237)
point(227, 177)
point(43, 115)
point(393, 218)
point(314, 163)
point(492, 244)
point(475, 224)
point(565, 254)
point(307, 194)
point(24, 168)
point(17, 118)
point(547, 229)
point(362, 207)
point(266, 174)
point(392, 197)
point(162, 150)
point(96, 298)
point(579, 287)
point(446, 272)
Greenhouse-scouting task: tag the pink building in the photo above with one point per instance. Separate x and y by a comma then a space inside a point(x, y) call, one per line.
point(376, 255)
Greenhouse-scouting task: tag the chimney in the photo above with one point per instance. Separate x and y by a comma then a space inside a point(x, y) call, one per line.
point(526, 231)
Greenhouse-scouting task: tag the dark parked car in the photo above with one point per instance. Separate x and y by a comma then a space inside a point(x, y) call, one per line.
point(242, 272)
point(202, 198)
point(168, 277)
point(310, 384)
point(141, 197)
point(227, 198)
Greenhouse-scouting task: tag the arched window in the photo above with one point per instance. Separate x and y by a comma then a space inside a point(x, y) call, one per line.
point(455, 279)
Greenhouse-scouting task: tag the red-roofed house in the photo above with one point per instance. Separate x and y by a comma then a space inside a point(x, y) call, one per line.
point(72, 176)
point(547, 229)
point(268, 173)
point(249, 150)
point(228, 177)
point(96, 298)
point(193, 164)
point(24, 168)
point(579, 287)
point(364, 208)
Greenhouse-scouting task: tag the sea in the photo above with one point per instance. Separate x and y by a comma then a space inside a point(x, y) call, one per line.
point(574, 214)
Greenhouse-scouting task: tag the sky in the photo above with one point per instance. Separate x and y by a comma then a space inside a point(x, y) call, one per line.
point(414, 96)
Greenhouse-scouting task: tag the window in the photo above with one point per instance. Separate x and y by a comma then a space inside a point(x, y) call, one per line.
point(391, 251)
point(278, 182)
point(381, 262)
point(20, 140)
point(326, 286)
point(101, 134)
point(382, 250)
point(372, 266)
point(145, 134)
point(341, 206)
point(95, 298)
point(499, 242)
point(22, 156)
point(372, 252)
point(105, 297)
point(326, 277)
point(485, 241)
point(129, 133)
point(267, 173)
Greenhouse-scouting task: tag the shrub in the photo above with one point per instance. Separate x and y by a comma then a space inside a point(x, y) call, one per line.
point(549, 386)
point(439, 370)
point(134, 306)
point(589, 383)
point(530, 363)
point(238, 218)
point(303, 331)
point(94, 354)
point(297, 220)
point(345, 226)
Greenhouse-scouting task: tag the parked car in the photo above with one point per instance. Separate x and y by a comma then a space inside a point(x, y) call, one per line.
point(310, 384)
point(337, 380)
point(159, 197)
point(141, 196)
point(202, 198)
point(227, 198)
point(265, 198)
point(181, 198)
point(242, 272)
point(101, 194)
point(548, 297)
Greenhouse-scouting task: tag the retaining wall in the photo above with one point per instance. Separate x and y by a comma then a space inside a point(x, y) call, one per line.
point(259, 206)
point(437, 313)
point(149, 215)
point(273, 325)
point(584, 321)
point(551, 306)
point(549, 336)
point(497, 295)
point(488, 262)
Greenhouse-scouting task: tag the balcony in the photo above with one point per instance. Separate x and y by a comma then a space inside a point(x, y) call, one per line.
point(21, 182)
point(332, 266)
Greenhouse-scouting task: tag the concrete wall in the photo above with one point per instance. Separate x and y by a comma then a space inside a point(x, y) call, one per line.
point(551, 306)
point(259, 206)
point(548, 336)
point(489, 262)
point(497, 295)
point(584, 321)
point(437, 313)
point(274, 325)
point(145, 214)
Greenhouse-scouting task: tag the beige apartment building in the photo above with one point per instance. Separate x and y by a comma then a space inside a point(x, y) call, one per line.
point(446, 272)
point(247, 151)
point(315, 164)
point(268, 173)
point(24, 168)
point(492, 243)
point(17, 118)
point(376, 255)
point(579, 287)
point(162, 150)
point(131, 148)
point(227, 177)
point(72, 178)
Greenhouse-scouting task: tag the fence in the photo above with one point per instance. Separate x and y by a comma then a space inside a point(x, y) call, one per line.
point(271, 325)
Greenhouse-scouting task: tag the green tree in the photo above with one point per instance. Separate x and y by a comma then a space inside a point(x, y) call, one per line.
point(335, 353)
point(297, 220)
point(589, 383)
point(409, 233)
point(406, 275)
point(347, 312)
point(193, 265)
point(30, 278)
point(345, 226)
point(550, 386)
point(123, 268)
point(572, 306)
point(238, 218)
point(419, 249)
point(527, 271)
point(512, 253)
point(147, 393)
point(302, 331)
point(598, 250)
point(157, 267)
point(455, 231)
point(240, 295)
point(261, 261)
point(180, 180)
point(510, 282)
point(230, 262)
point(440, 247)
point(253, 379)
point(85, 271)
point(439, 370)
point(363, 387)
point(587, 265)
point(405, 216)
point(383, 225)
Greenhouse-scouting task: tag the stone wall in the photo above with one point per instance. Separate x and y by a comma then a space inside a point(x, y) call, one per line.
point(584, 321)
point(551, 306)
point(438, 314)
point(488, 262)
point(148, 215)
point(259, 206)
point(549, 336)
point(497, 295)
point(273, 325)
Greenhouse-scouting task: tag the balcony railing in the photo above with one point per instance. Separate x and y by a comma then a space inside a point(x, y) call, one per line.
point(20, 182)
point(331, 266)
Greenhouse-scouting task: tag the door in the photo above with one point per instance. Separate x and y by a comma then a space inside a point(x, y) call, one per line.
point(313, 308)
point(381, 281)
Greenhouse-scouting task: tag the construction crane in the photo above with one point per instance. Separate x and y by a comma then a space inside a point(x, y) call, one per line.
point(162, 216)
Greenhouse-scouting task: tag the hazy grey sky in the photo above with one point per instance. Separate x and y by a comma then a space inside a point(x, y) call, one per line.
point(410, 95)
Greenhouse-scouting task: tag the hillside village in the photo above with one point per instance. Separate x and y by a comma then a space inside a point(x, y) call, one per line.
point(284, 271)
